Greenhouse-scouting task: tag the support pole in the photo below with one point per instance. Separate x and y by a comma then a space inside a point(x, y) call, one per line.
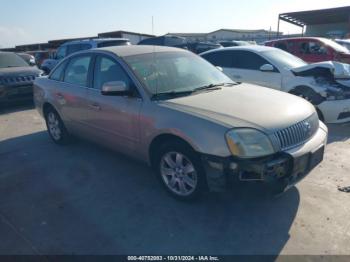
point(278, 27)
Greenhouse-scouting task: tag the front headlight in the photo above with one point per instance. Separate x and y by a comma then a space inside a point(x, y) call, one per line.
point(249, 143)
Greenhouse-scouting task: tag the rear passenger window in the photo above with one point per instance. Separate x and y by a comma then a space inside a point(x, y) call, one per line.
point(77, 71)
point(220, 58)
point(247, 60)
point(57, 74)
point(108, 70)
point(312, 48)
point(282, 46)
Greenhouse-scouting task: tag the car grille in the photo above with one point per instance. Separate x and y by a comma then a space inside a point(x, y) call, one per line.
point(17, 79)
point(297, 134)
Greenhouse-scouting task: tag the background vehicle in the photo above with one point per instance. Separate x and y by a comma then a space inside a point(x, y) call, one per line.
point(28, 58)
point(313, 49)
point(39, 56)
point(166, 40)
point(175, 111)
point(180, 42)
point(76, 46)
point(234, 43)
point(16, 78)
point(200, 47)
point(322, 84)
point(344, 42)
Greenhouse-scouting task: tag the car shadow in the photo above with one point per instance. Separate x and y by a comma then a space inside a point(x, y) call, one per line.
point(84, 199)
point(16, 107)
point(338, 132)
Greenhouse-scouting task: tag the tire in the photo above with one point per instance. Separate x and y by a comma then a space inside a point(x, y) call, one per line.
point(56, 128)
point(180, 170)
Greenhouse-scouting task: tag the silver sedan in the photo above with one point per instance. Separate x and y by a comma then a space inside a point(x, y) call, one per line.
point(183, 116)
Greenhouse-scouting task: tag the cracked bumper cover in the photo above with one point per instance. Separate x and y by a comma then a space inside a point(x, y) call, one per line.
point(283, 170)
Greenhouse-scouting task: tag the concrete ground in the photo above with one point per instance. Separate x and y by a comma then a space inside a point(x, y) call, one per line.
point(84, 199)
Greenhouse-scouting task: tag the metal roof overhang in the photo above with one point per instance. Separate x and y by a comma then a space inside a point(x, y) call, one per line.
point(324, 16)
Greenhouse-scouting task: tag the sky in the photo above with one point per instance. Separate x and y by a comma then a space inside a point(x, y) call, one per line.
point(33, 21)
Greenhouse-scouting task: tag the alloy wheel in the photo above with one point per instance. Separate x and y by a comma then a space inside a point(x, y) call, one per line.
point(54, 126)
point(178, 173)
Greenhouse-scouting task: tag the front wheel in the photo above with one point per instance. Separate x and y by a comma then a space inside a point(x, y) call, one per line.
point(55, 127)
point(180, 171)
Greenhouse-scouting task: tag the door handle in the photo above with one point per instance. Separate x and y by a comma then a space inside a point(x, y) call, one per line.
point(96, 107)
point(237, 76)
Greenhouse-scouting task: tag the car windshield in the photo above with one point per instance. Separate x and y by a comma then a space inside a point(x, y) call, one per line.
point(283, 58)
point(175, 72)
point(337, 47)
point(344, 43)
point(11, 60)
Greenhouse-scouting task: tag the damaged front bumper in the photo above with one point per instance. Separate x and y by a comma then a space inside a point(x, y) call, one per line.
point(281, 171)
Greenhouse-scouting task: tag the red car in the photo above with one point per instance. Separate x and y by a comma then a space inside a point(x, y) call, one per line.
point(313, 49)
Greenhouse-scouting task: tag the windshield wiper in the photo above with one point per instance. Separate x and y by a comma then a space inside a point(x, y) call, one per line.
point(189, 92)
point(212, 86)
point(172, 94)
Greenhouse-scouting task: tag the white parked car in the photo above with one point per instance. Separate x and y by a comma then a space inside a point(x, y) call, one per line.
point(326, 84)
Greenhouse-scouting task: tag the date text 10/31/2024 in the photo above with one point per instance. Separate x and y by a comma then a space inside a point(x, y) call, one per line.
point(173, 258)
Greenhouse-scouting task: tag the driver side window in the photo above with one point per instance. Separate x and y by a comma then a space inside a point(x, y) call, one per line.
point(108, 70)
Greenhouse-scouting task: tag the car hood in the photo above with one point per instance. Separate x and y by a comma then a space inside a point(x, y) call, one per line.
point(19, 71)
point(338, 70)
point(245, 105)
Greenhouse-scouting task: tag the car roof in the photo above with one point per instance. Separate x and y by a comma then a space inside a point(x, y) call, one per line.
point(94, 40)
point(252, 48)
point(123, 51)
point(297, 38)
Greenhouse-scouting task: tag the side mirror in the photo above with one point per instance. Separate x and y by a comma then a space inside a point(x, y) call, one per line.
point(220, 68)
point(267, 68)
point(115, 88)
point(32, 62)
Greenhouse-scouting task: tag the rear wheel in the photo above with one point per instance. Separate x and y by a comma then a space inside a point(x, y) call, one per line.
point(55, 127)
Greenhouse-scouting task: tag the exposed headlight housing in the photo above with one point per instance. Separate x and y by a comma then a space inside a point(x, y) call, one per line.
point(249, 143)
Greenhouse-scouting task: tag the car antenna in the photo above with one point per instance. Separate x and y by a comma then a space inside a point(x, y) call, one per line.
point(154, 56)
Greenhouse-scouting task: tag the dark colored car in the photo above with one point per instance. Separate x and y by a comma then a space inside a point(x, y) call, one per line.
point(200, 47)
point(313, 49)
point(234, 43)
point(180, 42)
point(166, 40)
point(16, 78)
point(40, 56)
